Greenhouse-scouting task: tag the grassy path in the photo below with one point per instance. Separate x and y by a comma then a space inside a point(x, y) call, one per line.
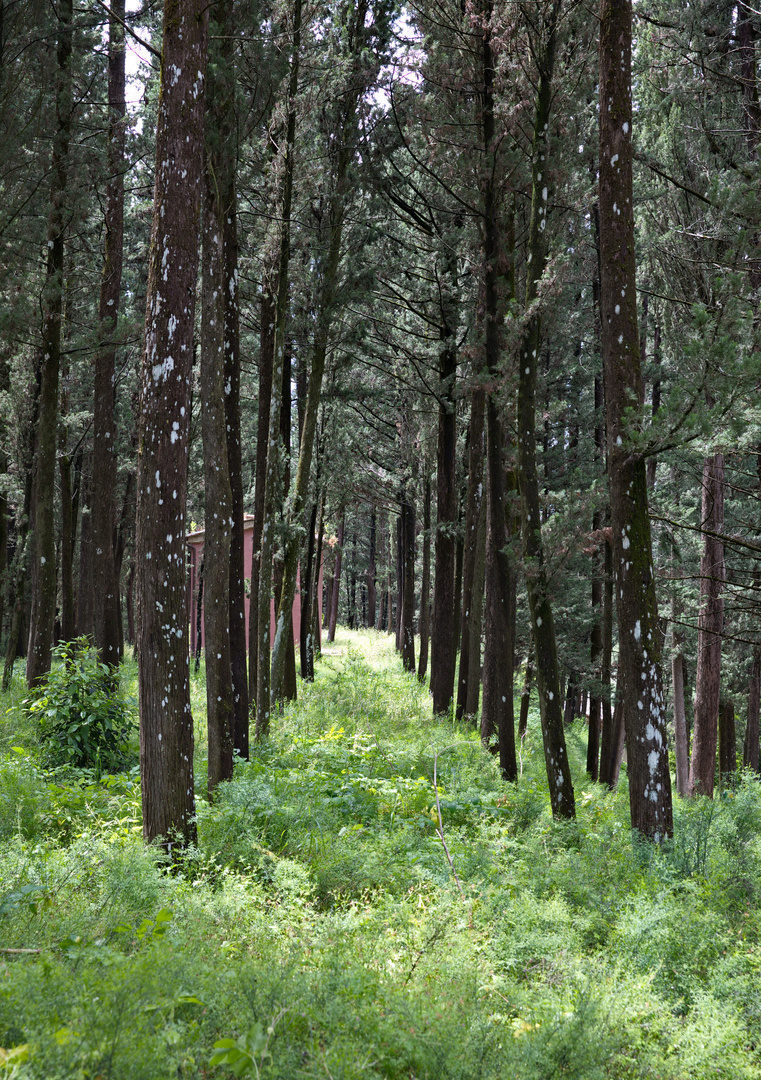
point(318, 927)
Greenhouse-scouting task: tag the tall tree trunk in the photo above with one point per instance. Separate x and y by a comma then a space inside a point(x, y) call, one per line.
point(20, 562)
point(681, 744)
point(130, 604)
point(678, 678)
point(542, 620)
point(269, 679)
point(85, 585)
point(608, 731)
point(266, 360)
point(425, 587)
point(472, 598)
point(640, 679)
point(710, 626)
point(220, 718)
point(335, 594)
point(596, 636)
point(166, 724)
point(526, 697)
point(314, 623)
point(289, 673)
point(389, 578)
point(199, 615)
point(443, 642)
point(68, 530)
point(497, 713)
point(408, 591)
point(371, 568)
point(751, 743)
point(727, 745)
point(300, 487)
point(473, 687)
point(105, 593)
point(43, 561)
point(652, 462)
point(308, 585)
point(228, 197)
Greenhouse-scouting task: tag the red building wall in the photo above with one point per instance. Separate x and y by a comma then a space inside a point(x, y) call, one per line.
point(195, 543)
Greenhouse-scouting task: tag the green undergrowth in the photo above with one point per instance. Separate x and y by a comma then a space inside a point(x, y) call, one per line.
point(321, 928)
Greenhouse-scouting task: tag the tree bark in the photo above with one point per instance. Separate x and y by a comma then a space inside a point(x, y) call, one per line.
point(269, 677)
point(84, 614)
point(472, 600)
point(443, 643)
point(425, 587)
point(681, 743)
point(166, 724)
point(727, 745)
point(596, 635)
point(43, 560)
point(228, 197)
point(710, 626)
point(408, 591)
point(526, 697)
point(640, 679)
point(289, 670)
point(105, 593)
point(751, 743)
point(306, 627)
point(217, 491)
point(266, 360)
point(497, 710)
point(335, 593)
point(473, 688)
point(542, 619)
point(371, 568)
point(68, 530)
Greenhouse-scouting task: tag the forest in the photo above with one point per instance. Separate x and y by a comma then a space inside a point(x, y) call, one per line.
point(454, 308)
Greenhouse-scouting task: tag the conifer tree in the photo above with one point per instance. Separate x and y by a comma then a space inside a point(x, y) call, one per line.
point(640, 680)
point(166, 724)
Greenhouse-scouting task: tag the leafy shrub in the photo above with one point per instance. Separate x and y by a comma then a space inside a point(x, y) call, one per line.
point(83, 719)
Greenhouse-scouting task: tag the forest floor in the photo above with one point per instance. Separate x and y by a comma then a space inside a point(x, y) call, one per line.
point(319, 930)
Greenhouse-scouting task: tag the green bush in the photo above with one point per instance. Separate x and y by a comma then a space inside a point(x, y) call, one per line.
point(83, 719)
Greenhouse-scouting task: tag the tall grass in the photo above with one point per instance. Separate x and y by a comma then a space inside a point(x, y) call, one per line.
point(318, 926)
